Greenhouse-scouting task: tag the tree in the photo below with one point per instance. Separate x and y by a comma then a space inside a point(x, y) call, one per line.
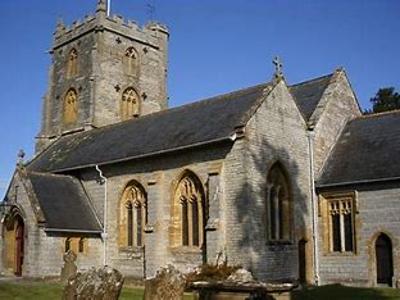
point(385, 99)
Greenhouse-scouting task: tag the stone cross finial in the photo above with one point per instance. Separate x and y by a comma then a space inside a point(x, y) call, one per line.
point(20, 157)
point(101, 6)
point(278, 68)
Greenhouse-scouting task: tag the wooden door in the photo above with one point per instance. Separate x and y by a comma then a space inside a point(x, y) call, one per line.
point(19, 248)
point(384, 260)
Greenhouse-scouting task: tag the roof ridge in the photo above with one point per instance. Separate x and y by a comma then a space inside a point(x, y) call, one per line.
point(312, 80)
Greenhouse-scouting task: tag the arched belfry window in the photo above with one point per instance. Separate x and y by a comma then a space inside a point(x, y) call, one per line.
point(70, 107)
point(130, 61)
point(130, 104)
point(72, 64)
point(188, 212)
point(132, 216)
point(278, 204)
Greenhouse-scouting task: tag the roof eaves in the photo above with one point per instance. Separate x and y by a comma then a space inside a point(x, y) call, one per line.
point(49, 229)
point(354, 182)
point(141, 156)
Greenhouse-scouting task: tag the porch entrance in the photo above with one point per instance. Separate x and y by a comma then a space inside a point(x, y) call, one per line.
point(19, 246)
point(14, 232)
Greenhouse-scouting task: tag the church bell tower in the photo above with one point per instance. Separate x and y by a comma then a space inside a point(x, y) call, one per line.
point(104, 70)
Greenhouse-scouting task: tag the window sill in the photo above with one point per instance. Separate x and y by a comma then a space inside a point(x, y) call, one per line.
point(343, 254)
point(186, 250)
point(131, 252)
point(134, 249)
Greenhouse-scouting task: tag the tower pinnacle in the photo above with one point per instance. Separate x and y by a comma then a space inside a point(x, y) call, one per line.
point(101, 6)
point(278, 75)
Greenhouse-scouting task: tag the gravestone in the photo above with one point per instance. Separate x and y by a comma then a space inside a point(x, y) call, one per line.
point(69, 269)
point(168, 284)
point(102, 284)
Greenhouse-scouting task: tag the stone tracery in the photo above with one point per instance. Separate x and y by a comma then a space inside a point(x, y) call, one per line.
point(71, 107)
point(132, 216)
point(130, 104)
point(188, 212)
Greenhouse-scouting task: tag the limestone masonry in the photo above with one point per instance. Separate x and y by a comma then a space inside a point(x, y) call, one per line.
point(291, 182)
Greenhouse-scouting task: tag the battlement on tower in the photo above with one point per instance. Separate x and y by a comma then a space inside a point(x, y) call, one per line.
point(105, 69)
point(147, 34)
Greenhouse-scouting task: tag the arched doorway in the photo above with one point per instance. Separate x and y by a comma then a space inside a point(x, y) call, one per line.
point(19, 245)
point(384, 260)
point(14, 232)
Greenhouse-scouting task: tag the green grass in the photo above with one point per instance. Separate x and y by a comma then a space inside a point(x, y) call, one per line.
point(48, 291)
point(31, 290)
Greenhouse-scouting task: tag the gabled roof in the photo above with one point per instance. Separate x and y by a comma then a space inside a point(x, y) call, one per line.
point(307, 94)
point(368, 150)
point(199, 123)
point(64, 203)
point(194, 124)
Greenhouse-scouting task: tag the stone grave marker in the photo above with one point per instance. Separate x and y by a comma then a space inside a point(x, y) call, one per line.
point(168, 284)
point(95, 284)
point(69, 269)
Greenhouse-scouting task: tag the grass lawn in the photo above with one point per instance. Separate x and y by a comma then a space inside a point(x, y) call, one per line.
point(50, 291)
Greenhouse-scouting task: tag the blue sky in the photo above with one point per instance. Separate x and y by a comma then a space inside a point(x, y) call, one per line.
point(215, 47)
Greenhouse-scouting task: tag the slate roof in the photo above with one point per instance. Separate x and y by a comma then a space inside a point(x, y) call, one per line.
point(209, 120)
point(307, 94)
point(185, 126)
point(368, 149)
point(63, 202)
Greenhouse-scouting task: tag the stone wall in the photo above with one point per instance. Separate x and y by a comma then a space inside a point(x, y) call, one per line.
point(43, 252)
point(275, 133)
point(101, 43)
point(94, 187)
point(378, 212)
point(158, 177)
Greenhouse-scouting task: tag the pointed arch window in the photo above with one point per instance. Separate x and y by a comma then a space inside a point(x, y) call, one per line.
point(72, 64)
point(70, 107)
point(278, 204)
point(130, 61)
point(188, 219)
point(130, 104)
point(133, 216)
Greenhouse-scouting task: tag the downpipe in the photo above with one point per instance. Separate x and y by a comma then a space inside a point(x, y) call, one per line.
point(314, 204)
point(104, 233)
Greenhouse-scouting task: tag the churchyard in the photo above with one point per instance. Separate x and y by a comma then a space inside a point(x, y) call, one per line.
point(38, 290)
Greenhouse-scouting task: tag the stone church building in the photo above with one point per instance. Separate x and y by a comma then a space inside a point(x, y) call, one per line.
point(290, 181)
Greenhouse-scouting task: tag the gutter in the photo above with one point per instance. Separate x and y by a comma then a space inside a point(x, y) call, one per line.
point(314, 205)
point(104, 233)
point(358, 182)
